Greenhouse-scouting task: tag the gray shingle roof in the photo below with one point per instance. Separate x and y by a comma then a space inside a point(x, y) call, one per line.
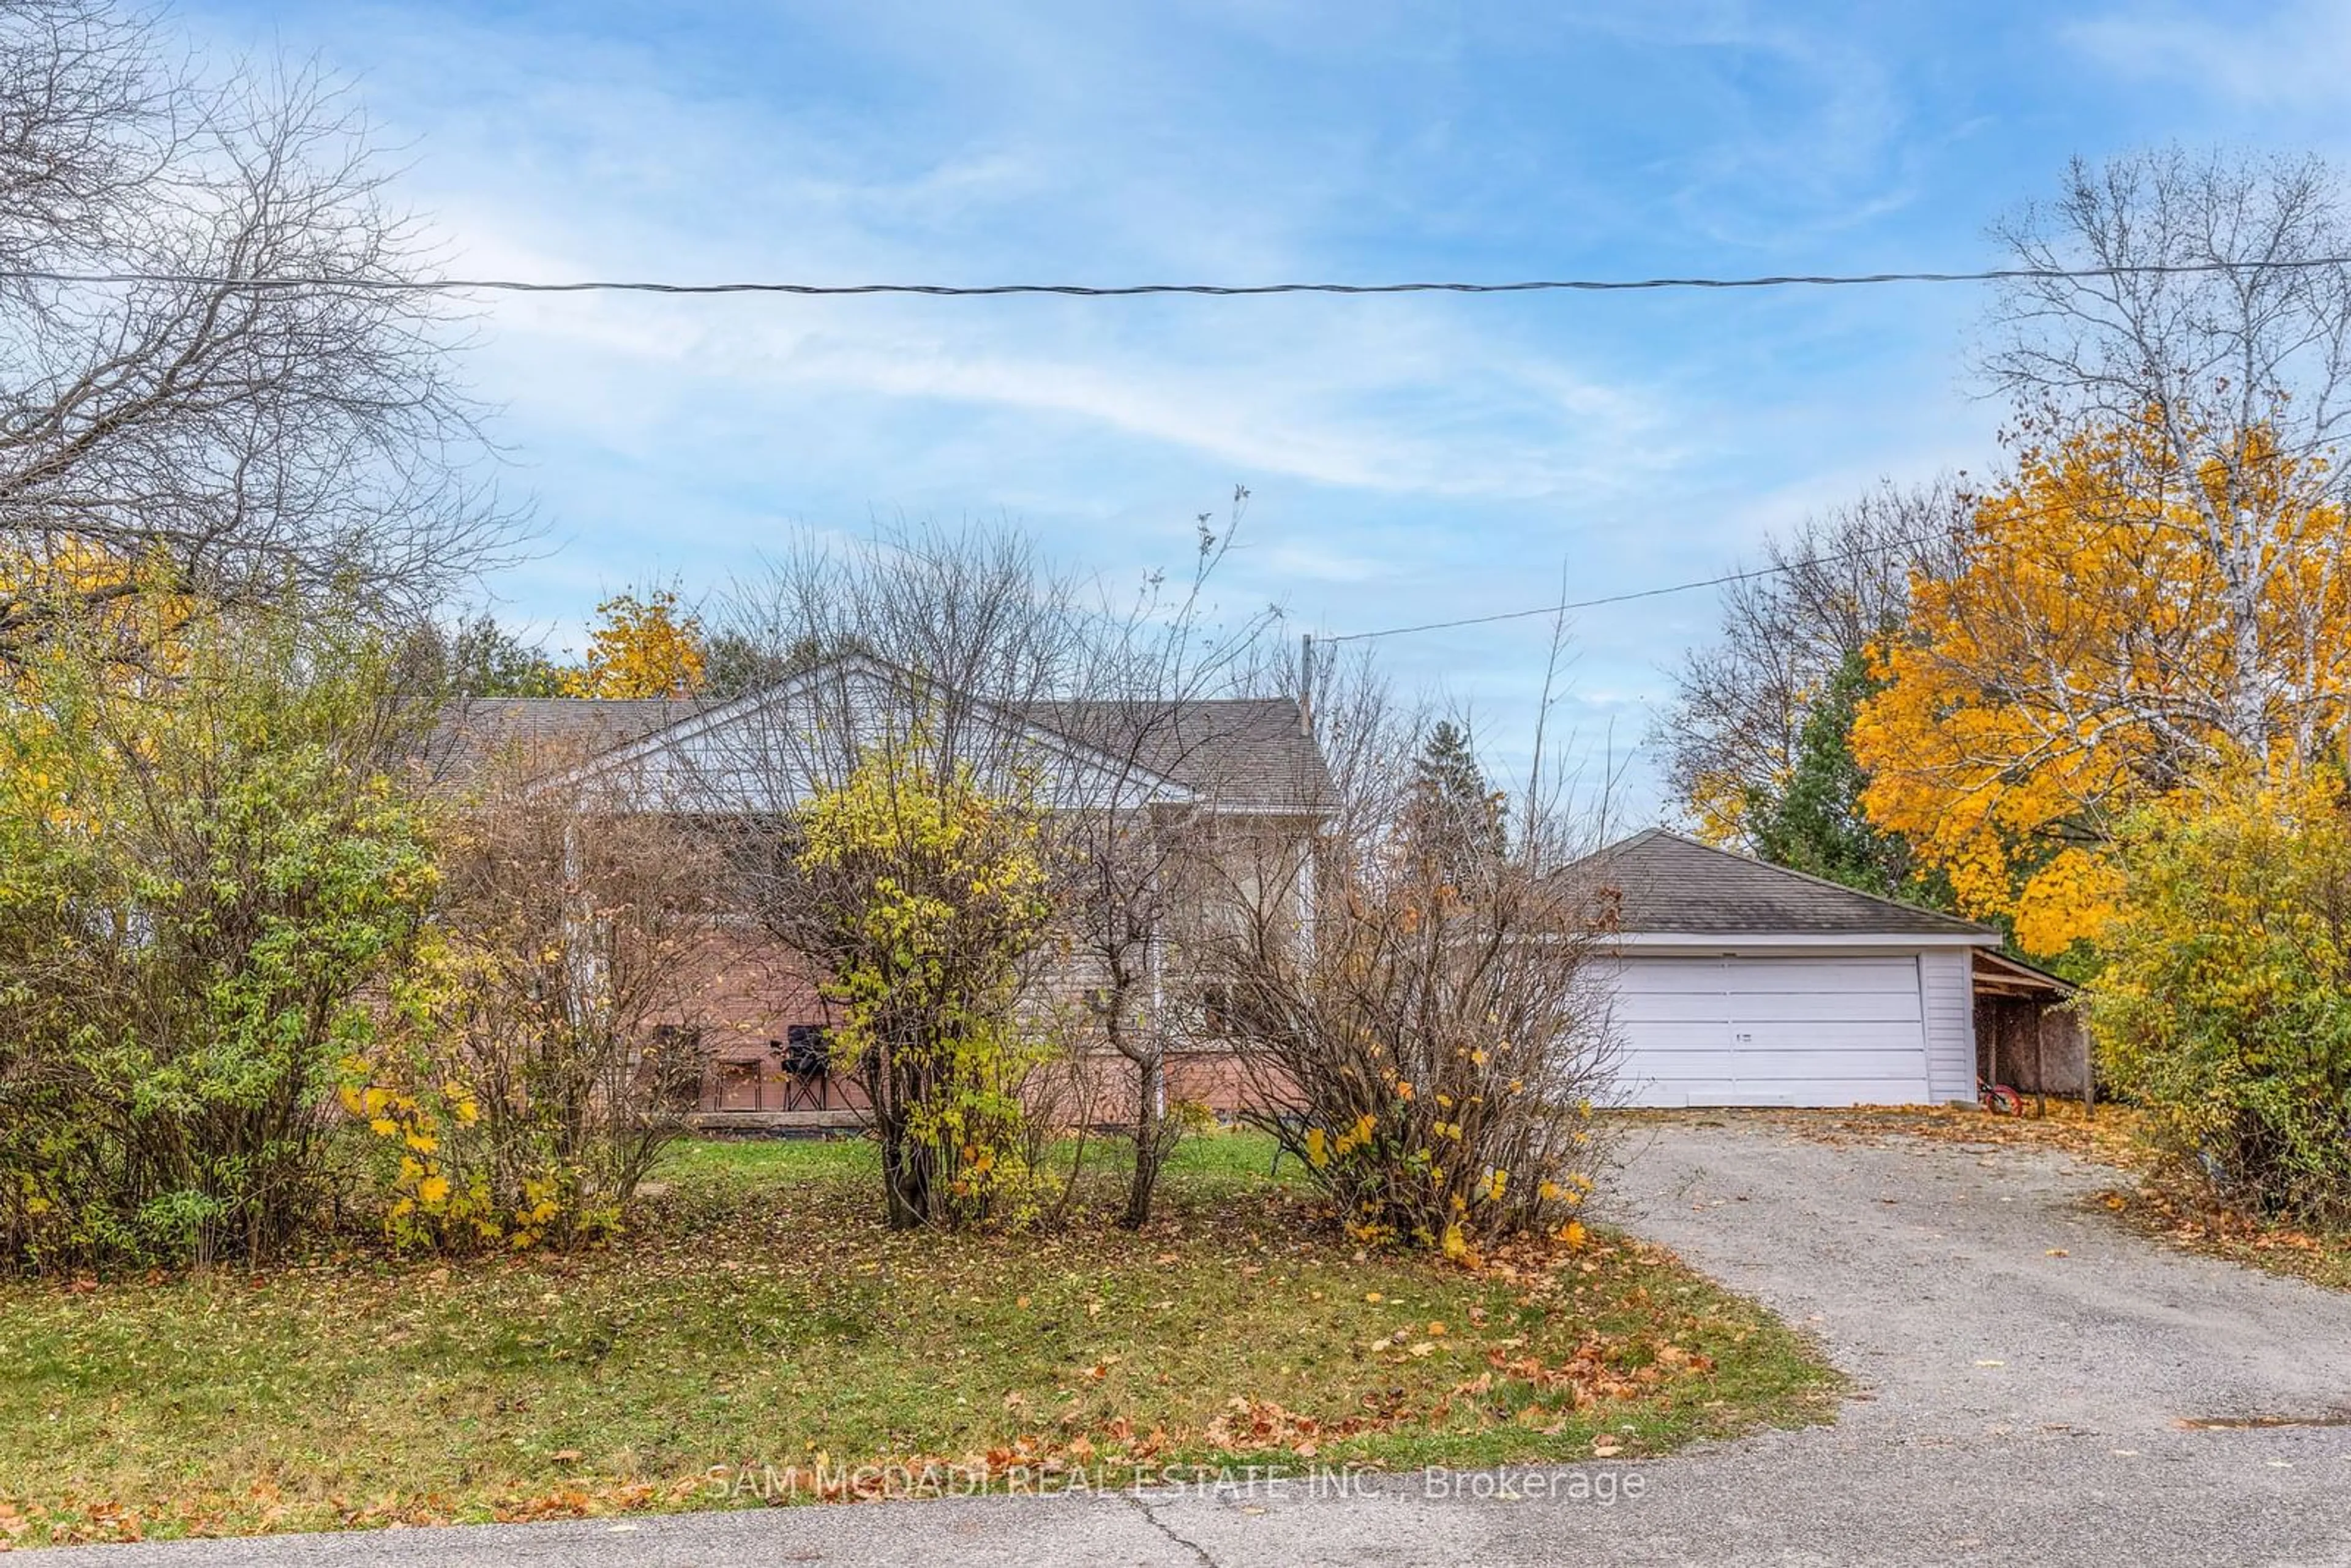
point(1661, 882)
point(550, 731)
point(1243, 751)
point(1236, 752)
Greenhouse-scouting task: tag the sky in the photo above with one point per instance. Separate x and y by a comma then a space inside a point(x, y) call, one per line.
point(1408, 459)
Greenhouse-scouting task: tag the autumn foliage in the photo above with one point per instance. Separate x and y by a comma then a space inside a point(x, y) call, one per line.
point(2099, 645)
point(646, 647)
point(2224, 1008)
point(122, 610)
point(1435, 1048)
point(205, 873)
point(922, 893)
point(544, 1040)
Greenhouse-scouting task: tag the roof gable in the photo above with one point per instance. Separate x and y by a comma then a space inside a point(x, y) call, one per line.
point(1660, 882)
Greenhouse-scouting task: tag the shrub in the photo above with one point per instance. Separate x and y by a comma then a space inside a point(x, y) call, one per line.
point(2224, 1005)
point(550, 1030)
point(922, 895)
point(206, 868)
point(1434, 1051)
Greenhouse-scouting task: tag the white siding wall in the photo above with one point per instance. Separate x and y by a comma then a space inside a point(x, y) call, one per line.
point(1782, 1028)
point(1946, 981)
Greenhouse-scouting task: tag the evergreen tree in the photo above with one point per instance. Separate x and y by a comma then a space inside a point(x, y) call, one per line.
point(1453, 817)
point(1817, 825)
point(485, 660)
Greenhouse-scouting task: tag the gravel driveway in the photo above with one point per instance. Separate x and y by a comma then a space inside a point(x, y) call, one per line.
point(2027, 1373)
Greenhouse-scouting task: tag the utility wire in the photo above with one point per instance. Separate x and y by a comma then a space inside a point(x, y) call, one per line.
point(1775, 570)
point(1832, 559)
point(1562, 609)
point(379, 284)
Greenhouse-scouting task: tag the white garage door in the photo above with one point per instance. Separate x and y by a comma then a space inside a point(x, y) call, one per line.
point(1769, 1032)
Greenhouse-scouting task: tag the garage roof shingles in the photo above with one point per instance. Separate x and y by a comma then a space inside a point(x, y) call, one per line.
point(1662, 881)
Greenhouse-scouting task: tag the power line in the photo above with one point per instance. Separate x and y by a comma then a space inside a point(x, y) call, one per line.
point(379, 285)
point(1726, 579)
point(1775, 570)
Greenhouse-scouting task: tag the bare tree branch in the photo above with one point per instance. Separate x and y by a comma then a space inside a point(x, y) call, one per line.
point(231, 443)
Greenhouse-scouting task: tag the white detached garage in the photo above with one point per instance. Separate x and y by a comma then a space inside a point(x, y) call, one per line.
point(1738, 983)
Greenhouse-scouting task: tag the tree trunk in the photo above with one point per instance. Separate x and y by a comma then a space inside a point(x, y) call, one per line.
point(905, 1165)
point(1148, 1119)
point(905, 1181)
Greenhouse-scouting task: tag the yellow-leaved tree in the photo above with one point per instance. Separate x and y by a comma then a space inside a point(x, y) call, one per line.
point(2122, 618)
point(124, 611)
point(647, 647)
point(925, 894)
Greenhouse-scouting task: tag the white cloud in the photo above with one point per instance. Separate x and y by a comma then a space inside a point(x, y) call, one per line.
point(2296, 55)
point(548, 155)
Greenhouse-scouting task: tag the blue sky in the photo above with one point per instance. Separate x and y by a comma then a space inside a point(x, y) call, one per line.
point(1411, 459)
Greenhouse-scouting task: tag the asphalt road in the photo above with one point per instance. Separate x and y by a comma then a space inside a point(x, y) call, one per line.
point(2036, 1386)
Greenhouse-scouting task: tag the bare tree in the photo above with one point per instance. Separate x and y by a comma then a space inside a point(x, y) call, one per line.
point(202, 387)
point(1830, 587)
point(1145, 701)
point(2236, 376)
point(935, 654)
point(964, 651)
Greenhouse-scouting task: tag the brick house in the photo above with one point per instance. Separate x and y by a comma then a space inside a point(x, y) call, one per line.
point(1214, 805)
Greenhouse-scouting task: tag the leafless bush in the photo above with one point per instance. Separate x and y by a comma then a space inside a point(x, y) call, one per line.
point(1427, 1036)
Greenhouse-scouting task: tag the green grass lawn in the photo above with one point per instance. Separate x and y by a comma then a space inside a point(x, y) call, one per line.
point(762, 1317)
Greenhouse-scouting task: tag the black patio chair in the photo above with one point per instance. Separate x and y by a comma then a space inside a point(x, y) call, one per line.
point(807, 1061)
